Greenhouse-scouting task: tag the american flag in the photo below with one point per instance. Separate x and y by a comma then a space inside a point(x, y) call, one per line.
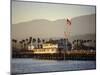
point(68, 22)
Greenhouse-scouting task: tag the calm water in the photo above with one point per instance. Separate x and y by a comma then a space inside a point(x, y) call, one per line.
point(32, 65)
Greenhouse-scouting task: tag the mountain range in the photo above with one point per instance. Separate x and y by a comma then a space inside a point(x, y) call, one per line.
point(82, 26)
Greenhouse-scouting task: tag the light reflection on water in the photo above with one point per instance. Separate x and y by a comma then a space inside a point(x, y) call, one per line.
point(32, 65)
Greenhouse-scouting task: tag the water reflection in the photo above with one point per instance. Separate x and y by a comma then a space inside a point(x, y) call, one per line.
point(33, 65)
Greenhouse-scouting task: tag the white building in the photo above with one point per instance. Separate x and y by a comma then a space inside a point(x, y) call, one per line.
point(50, 45)
point(48, 48)
point(30, 47)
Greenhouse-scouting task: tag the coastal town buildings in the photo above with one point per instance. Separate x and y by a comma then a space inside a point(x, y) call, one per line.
point(56, 46)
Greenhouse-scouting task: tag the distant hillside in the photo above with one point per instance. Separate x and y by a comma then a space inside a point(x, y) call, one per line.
point(42, 28)
point(83, 37)
point(86, 24)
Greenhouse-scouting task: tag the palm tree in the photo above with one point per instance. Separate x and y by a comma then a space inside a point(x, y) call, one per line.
point(38, 40)
point(43, 41)
point(33, 41)
point(26, 40)
point(14, 41)
point(26, 44)
point(73, 43)
point(51, 40)
point(30, 40)
point(21, 44)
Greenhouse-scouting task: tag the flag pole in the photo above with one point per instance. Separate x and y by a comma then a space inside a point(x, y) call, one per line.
point(65, 46)
point(66, 36)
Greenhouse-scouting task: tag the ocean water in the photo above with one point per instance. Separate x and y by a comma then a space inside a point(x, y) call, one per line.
point(20, 66)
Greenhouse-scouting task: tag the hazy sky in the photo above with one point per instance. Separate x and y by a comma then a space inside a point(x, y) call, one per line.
point(26, 11)
point(49, 20)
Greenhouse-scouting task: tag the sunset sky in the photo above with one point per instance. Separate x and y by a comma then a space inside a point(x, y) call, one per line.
point(26, 11)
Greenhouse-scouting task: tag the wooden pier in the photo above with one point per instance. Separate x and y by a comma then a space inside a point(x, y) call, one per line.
point(68, 55)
